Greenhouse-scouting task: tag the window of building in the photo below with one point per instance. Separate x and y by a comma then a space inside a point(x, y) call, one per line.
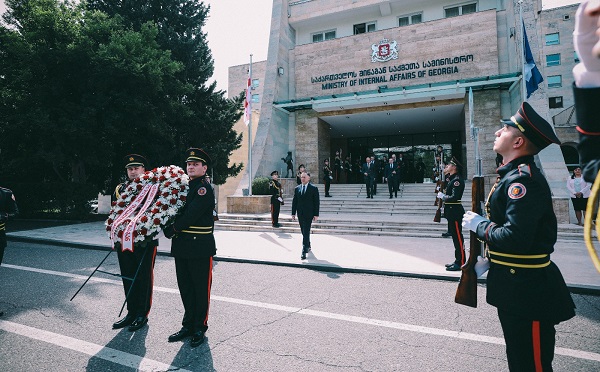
point(460, 10)
point(575, 57)
point(323, 35)
point(554, 81)
point(555, 102)
point(553, 59)
point(255, 98)
point(255, 83)
point(362, 28)
point(552, 39)
point(410, 19)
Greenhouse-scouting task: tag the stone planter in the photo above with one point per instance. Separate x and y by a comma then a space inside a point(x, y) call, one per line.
point(255, 204)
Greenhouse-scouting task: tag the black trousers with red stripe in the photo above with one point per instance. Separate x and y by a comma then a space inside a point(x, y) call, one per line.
point(455, 228)
point(140, 298)
point(194, 279)
point(275, 208)
point(529, 343)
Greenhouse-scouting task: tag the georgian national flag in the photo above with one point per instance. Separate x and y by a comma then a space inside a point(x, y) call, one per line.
point(532, 75)
point(247, 112)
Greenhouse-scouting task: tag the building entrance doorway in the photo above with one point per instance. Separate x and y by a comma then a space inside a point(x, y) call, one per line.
point(416, 151)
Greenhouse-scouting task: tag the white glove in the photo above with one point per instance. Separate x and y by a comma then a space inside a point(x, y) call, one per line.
point(441, 195)
point(471, 220)
point(586, 73)
point(280, 199)
point(481, 266)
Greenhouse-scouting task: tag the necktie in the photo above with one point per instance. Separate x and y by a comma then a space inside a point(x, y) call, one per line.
point(303, 189)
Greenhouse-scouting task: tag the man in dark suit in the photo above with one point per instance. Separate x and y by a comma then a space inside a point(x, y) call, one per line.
point(306, 203)
point(374, 174)
point(193, 247)
point(389, 173)
point(367, 171)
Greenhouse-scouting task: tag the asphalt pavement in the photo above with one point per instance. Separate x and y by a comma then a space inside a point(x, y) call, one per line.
point(386, 255)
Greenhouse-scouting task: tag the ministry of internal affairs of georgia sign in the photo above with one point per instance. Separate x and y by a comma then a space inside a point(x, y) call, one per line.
point(384, 51)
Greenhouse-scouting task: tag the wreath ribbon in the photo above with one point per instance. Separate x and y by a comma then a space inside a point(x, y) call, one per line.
point(127, 241)
point(128, 211)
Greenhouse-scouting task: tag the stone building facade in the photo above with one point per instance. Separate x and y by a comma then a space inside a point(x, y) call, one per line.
point(388, 76)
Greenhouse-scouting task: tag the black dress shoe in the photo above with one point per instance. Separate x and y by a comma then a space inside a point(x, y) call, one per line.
point(277, 225)
point(303, 257)
point(197, 339)
point(449, 264)
point(446, 235)
point(127, 320)
point(180, 335)
point(453, 267)
point(138, 323)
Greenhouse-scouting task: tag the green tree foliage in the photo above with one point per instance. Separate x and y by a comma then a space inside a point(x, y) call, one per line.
point(210, 116)
point(80, 88)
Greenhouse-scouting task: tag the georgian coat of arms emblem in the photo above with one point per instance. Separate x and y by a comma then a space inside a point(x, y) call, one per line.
point(384, 51)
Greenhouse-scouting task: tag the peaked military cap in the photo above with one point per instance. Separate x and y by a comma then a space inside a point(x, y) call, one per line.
point(455, 161)
point(196, 154)
point(533, 126)
point(274, 172)
point(135, 160)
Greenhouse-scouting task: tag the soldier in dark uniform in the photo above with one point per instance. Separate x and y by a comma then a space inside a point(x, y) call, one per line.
point(337, 167)
point(327, 177)
point(453, 211)
point(276, 198)
point(193, 246)
point(8, 209)
point(527, 288)
point(348, 169)
point(142, 256)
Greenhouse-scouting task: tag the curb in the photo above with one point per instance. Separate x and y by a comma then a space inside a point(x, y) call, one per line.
point(573, 288)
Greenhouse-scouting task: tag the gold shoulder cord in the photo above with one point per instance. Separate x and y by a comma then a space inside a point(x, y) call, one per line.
point(587, 227)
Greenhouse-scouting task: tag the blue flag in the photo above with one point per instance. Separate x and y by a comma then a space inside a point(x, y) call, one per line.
point(531, 74)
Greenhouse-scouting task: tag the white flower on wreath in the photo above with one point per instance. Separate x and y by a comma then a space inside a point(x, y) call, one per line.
point(170, 197)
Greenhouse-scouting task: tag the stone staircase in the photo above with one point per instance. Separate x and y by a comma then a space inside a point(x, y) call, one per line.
point(349, 211)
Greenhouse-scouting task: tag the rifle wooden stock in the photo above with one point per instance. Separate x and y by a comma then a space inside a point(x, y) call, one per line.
point(466, 293)
point(438, 212)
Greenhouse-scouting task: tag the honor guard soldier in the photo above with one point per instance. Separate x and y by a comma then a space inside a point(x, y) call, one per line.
point(142, 257)
point(453, 211)
point(327, 177)
point(276, 198)
point(337, 166)
point(193, 246)
point(8, 209)
point(520, 230)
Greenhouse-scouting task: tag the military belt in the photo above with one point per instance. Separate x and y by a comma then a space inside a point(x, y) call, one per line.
point(450, 203)
point(526, 261)
point(199, 230)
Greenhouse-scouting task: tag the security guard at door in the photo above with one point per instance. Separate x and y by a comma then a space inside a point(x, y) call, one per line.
point(523, 283)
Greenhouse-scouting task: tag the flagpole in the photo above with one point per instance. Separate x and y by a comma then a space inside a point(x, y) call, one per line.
point(522, 49)
point(249, 91)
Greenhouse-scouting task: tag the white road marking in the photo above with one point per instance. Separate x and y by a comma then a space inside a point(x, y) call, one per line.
point(580, 354)
point(84, 347)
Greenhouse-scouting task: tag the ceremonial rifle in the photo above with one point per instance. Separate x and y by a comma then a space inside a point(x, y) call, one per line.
point(466, 293)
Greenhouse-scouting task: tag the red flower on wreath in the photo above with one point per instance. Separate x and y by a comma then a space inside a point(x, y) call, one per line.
point(120, 234)
point(165, 207)
point(175, 192)
point(182, 197)
point(173, 201)
point(157, 221)
point(162, 178)
point(144, 219)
